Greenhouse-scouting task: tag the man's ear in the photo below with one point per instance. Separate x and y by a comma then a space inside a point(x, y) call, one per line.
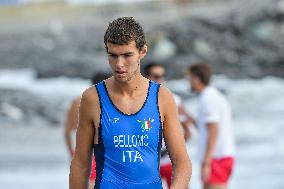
point(143, 52)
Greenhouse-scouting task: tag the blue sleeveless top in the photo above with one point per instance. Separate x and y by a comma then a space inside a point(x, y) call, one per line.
point(128, 151)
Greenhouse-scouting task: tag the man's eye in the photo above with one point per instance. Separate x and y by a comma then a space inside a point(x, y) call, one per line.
point(112, 55)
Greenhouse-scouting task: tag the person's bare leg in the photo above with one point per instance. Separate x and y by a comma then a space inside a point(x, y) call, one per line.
point(215, 186)
point(91, 184)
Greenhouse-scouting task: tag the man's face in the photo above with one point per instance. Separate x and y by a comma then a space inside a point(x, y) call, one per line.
point(125, 60)
point(195, 82)
point(157, 74)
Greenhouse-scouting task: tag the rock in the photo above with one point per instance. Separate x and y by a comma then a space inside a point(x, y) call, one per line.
point(164, 48)
point(25, 107)
point(10, 111)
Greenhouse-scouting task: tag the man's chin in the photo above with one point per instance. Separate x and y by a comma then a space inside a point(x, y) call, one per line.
point(121, 79)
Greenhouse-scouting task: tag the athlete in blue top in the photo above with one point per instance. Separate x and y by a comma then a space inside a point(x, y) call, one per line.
point(126, 130)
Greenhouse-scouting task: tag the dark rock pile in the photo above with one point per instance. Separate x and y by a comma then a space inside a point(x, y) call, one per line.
point(244, 40)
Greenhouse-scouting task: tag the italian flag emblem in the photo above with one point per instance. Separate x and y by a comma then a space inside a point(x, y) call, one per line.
point(146, 124)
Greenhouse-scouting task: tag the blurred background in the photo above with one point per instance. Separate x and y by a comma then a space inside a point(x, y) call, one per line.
point(50, 48)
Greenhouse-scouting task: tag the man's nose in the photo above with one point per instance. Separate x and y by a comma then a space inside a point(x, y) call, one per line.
point(120, 61)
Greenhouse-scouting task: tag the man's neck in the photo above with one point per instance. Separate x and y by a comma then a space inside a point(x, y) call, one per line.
point(130, 87)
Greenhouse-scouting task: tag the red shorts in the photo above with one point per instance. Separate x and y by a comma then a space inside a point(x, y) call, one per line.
point(166, 173)
point(93, 172)
point(221, 170)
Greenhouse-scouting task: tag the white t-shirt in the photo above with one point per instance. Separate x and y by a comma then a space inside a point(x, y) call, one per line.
point(214, 108)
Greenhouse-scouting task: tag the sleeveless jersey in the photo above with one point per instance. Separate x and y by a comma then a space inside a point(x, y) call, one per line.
point(128, 151)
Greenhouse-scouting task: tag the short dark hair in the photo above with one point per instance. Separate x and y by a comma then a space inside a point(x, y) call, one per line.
point(123, 30)
point(148, 67)
point(202, 71)
point(98, 77)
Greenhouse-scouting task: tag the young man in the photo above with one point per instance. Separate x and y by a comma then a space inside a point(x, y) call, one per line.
point(126, 131)
point(156, 72)
point(215, 133)
point(71, 124)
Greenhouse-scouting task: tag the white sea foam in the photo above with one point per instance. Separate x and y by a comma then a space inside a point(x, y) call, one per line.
point(52, 87)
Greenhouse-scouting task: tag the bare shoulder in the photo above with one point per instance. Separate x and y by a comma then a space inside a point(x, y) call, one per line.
point(76, 102)
point(165, 95)
point(90, 106)
point(90, 95)
point(165, 101)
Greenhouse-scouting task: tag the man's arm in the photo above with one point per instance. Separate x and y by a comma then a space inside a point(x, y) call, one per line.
point(186, 121)
point(81, 163)
point(174, 140)
point(211, 141)
point(182, 111)
point(71, 124)
point(186, 130)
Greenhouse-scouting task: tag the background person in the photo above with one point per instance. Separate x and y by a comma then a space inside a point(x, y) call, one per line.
point(216, 145)
point(71, 125)
point(156, 72)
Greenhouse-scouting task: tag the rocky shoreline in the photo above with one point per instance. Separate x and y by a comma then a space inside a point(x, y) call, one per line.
point(239, 39)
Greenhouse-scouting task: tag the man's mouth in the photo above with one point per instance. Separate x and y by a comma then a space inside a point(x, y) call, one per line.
point(120, 73)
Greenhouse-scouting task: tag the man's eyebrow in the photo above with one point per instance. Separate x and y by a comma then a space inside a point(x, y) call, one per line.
point(127, 53)
point(111, 53)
